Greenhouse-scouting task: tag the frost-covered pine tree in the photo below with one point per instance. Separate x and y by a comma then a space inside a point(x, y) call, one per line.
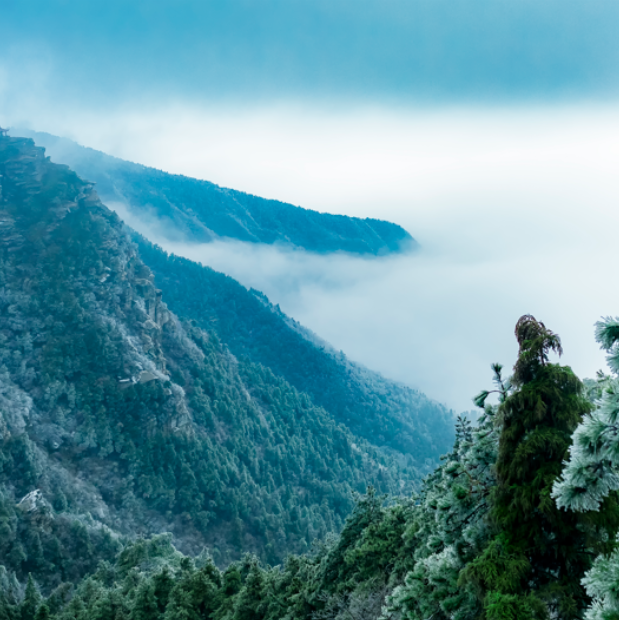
point(590, 479)
point(450, 527)
point(533, 566)
point(592, 471)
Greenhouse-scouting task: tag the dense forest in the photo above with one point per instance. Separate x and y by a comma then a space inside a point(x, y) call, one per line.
point(193, 210)
point(385, 413)
point(120, 419)
point(518, 522)
point(167, 463)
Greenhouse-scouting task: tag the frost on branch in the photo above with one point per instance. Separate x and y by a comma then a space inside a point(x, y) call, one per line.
point(591, 472)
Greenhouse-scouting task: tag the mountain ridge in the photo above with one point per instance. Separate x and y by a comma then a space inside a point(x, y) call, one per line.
point(386, 413)
point(131, 421)
point(199, 211)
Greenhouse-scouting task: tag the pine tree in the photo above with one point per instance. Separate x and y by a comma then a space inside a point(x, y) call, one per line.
point(145, 606)
point(449, 525)
point(43, 613)
point(31, 601)
point(250, 604)
point(533, 566)
point(7, 611)
point(591, 477)
point(591, 473)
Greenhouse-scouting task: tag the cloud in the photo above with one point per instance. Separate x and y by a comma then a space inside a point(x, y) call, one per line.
point(450, 117)
point(515, 210)
point(433, 320)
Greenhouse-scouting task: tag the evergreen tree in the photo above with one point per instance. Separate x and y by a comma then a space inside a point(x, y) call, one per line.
point(448, 527)
point(7, 611)
point(232, 584)
point(591, 476)
point(31, 601)
point(533, 566)
point(145, 606)
point(43, 613)
point(250, 604)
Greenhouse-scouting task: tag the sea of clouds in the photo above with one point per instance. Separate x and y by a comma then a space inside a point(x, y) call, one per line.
point(515, 210)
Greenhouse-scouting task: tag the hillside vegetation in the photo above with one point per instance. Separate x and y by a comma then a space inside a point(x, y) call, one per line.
point(188, 209)
point(118, 418)
point(519, 522)
point(387, 414)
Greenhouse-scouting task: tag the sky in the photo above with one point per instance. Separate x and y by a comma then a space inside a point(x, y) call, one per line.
point(489, 129)
point(105, 51)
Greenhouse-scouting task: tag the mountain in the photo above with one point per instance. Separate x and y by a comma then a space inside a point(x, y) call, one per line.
point(118, 418)
point(387, 414)
point(447, 552)
point(188, 209)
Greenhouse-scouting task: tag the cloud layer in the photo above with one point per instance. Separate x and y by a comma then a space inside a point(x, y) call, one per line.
point(515, 210)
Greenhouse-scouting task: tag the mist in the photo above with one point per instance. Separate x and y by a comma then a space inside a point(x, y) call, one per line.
point(515, 211)
point(490, 131)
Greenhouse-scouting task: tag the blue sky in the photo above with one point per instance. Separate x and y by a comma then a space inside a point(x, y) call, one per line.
point(409, 51)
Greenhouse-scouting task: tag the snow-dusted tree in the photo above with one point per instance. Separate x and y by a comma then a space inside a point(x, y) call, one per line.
point(592, 471)
point(590, 478)
point(450, 527)
point(538, 555)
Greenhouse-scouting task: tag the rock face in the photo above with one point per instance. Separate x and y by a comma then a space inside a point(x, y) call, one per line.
point(199, 211)
point(33, 502)
point(127, 418)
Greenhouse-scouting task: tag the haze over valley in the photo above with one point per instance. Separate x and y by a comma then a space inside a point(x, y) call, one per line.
point(308, 310)
point(492, 243)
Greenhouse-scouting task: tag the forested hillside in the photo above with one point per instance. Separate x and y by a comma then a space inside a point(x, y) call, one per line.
point(385, 413)
point(119, 419)
point(504, 529)
point(199, 211)
point(135, 436)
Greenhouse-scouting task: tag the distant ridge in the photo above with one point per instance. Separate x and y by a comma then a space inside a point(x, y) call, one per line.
point(188, 209)
point(385, 413)
point(119, 418)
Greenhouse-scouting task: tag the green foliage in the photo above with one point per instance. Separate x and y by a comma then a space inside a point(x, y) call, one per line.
point(514, 607)
point(382, 412)
point(151, 580)
point(442, 554)
point(448, 528)
point(31, 601)
point(120, 415)
point(590, 482)
point(538, 552)
point(226, 451)
point(590, 475)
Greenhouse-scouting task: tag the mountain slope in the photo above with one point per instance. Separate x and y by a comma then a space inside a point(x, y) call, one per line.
point(126, 419)
point(199, 211)
point(385, 413)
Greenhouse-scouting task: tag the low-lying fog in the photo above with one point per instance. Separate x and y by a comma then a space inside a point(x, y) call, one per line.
point(515, 210)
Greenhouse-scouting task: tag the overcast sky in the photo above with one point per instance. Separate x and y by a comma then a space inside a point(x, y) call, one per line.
point(103, 51)
point(488, 128)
